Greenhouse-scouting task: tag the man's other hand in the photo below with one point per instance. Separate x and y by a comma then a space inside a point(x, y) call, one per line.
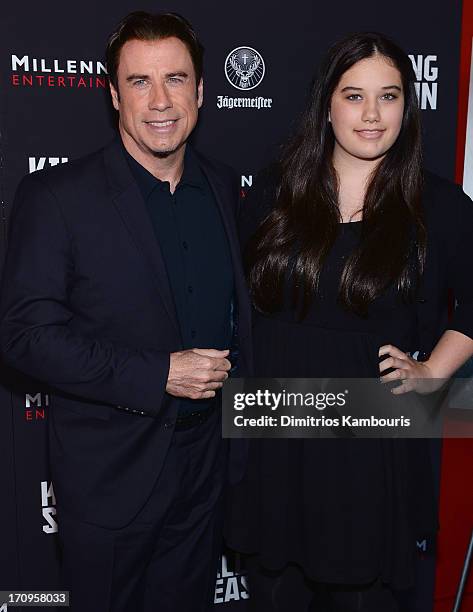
point(197, 373)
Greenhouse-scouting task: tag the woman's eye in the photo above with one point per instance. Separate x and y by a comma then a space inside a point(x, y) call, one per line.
point(389, 96)
point(354, 97)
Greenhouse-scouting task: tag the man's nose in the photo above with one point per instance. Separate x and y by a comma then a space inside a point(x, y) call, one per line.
point(159, 98)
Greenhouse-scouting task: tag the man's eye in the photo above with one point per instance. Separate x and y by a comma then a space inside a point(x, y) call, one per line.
point(175, 79)
point(139, 82)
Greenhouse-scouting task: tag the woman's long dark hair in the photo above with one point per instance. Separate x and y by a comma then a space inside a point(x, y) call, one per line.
point(297, 235)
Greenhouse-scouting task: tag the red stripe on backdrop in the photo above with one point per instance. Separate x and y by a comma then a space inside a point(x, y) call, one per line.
point(456, 489)
point(456, 522)
point(464, 85)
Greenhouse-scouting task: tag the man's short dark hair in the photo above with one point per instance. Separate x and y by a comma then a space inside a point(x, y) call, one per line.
point(140, 25)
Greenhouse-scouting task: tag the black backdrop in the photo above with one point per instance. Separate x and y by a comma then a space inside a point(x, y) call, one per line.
point(49, 115)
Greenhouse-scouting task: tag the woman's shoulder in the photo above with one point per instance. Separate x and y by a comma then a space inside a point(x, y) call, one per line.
point(439, 191)
point(446, 205)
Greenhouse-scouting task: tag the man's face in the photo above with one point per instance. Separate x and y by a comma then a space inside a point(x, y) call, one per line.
point(157, 98)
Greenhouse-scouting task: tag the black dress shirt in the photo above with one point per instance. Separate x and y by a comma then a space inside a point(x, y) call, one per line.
point(195, 250)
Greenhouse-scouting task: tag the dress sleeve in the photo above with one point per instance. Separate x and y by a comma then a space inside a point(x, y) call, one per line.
point(461, 264)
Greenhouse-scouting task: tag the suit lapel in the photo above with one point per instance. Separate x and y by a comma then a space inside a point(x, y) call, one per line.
point(132, 208)
point(223, 198)
point(225, 206)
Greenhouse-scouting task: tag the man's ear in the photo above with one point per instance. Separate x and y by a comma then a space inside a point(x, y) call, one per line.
point(200, 93)
point(115, 97)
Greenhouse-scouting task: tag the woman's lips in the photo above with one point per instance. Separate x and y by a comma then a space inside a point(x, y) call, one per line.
point(370, 134)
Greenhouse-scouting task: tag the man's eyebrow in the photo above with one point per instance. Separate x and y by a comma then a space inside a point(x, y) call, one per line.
point(180, 73)
point(134, 77)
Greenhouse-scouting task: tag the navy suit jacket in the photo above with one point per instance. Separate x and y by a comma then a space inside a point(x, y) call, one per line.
point(87, 308)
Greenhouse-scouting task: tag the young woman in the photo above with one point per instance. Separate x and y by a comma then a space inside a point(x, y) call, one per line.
point(351, 249)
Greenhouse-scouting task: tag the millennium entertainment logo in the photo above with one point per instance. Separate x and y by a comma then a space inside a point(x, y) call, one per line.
point(58, 73)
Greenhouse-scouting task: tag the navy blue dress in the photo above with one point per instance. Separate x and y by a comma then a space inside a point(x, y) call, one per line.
point(344, 510)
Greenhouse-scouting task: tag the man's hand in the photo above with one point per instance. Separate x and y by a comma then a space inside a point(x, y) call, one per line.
point(197, 373)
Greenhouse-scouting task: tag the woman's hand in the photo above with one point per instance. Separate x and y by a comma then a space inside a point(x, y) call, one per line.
point(413, 375)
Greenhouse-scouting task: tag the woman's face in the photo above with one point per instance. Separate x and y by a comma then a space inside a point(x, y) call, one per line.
point(366, 109)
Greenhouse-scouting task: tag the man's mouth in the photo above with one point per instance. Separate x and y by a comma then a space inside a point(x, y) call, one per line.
point(162, 124)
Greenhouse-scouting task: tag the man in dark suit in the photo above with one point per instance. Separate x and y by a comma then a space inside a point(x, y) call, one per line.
point(124, 292)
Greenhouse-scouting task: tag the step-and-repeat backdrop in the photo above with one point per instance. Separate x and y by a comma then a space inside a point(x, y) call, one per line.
point(54, 107)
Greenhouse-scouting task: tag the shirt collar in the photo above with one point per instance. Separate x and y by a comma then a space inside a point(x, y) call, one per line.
point(192, 175)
